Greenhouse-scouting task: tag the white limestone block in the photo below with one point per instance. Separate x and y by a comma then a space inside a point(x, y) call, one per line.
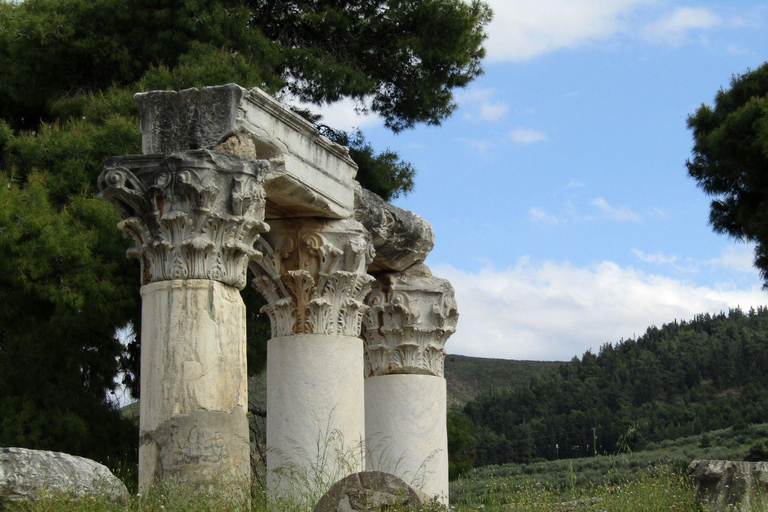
point(311, 175)
point(28, 475)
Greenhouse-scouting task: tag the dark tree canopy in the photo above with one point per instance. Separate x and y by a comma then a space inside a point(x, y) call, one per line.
point(730, 160)
point(68, 70)
point(404, 57)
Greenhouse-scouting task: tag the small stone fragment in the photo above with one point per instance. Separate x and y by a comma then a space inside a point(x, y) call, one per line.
point(372, 491)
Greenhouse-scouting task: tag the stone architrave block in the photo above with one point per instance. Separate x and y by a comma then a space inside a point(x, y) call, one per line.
point(27, 475)
point(309, 176)
point(724, 485)
point(400, 238)
point(372, 491)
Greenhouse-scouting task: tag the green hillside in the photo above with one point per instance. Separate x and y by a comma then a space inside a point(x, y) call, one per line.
point(682, 379)
point(468, 377)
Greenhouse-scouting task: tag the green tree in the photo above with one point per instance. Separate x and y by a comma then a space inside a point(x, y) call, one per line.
point(730, 158)
point(68, 69)
point(632, 393)
point(461, 456)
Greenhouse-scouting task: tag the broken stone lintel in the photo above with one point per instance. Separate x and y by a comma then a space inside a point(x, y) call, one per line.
point(401, 238)
point(312, 176)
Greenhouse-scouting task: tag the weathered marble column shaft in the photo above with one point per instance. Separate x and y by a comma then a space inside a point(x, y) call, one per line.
point(411, 316)
point(313, 275)
point(195, 217)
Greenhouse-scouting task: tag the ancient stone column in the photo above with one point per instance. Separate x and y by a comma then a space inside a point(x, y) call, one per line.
point(411, 316)
point(195, 217)
point(313, 276)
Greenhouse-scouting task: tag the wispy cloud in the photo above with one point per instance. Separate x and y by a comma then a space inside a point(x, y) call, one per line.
point(739, 258)
point(539, 215)
point(521, 136)
point(676, 26)
point(527, 136)
point(522, 30)
point(599, 209)
point(622, 213)
point(552, 310)
point(480, 104)
point(574, 183)
point(656, 258)
point(479, 145)
point(492, 111)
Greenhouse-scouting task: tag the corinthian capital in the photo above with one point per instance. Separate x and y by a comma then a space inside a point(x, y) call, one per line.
point(193, 215)
point(411, 316)
point(313, 275)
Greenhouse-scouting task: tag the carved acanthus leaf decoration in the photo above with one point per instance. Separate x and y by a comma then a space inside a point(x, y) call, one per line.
point(411, 316)
point(313, 276)
point(193, 215)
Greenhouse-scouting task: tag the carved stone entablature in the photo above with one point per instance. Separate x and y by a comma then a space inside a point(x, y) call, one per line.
point(411, 316)
point(313, 276)
point(193, 215)
point(401, 238)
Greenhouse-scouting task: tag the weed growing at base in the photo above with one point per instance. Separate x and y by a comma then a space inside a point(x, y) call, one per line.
point(662, 489)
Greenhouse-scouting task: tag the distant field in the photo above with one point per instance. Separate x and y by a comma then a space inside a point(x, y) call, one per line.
point(570, 478)
point(467, 376)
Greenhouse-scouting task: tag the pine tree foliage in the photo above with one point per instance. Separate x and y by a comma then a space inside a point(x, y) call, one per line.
point(384, 174)
point(730, 158)
point(68, 70)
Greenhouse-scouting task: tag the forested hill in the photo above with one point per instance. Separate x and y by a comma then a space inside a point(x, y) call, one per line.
point(683, 378)
point(467, 377)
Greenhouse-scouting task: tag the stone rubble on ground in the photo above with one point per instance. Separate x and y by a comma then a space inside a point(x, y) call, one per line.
point(372, 491)
point(724, 485)
point(31, 474)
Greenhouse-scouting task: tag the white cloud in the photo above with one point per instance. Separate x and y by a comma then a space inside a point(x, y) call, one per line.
point(553, 310)
point(539, 215)
point(674, 27)
point(527, 136)
point(738, 257)
point(479, 145)
point(479, 104)
point(657, 258)
point(522, 30)
point(574, 183)
point(604, 211)
point(621, 213)
point(346, 114)
point(492, 111)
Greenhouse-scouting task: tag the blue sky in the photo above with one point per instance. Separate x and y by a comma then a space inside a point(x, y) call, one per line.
point(563, 213)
